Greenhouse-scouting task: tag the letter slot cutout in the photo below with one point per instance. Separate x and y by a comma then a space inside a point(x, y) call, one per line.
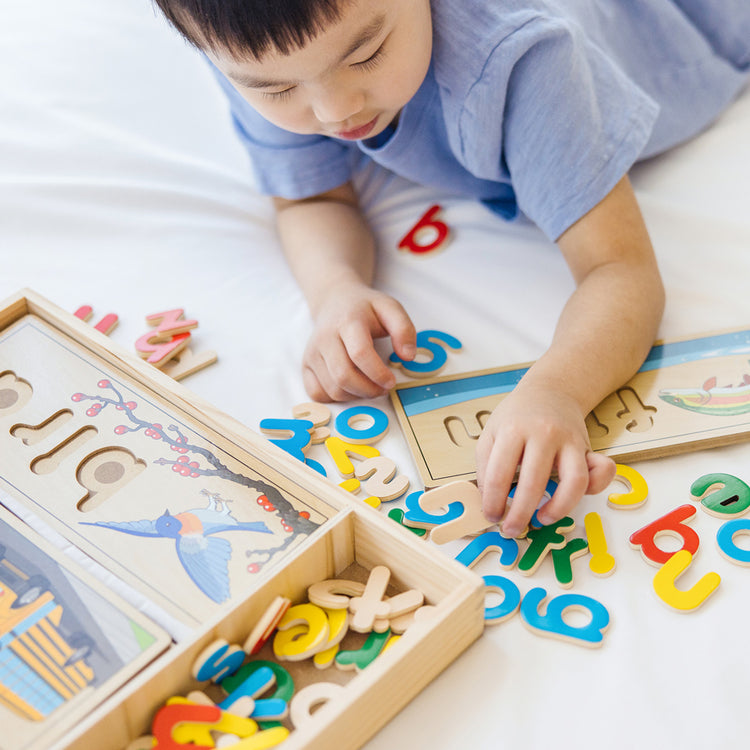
point(104, 472)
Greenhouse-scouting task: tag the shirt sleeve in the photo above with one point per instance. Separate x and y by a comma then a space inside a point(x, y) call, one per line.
point(573, 122)
point(286, 164)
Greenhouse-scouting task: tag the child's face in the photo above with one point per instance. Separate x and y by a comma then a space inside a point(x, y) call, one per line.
point(351, 80)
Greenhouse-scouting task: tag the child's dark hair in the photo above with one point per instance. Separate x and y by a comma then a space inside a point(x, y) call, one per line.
point(250, 27)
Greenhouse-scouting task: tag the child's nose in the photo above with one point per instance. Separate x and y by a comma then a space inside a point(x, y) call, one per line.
point(337, 106)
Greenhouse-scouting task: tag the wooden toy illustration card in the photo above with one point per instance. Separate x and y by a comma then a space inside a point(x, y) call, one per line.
point(689, 394)
point(66, 643)
point(151, 493)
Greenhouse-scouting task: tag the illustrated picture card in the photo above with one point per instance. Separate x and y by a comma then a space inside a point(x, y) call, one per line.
point(66, 643)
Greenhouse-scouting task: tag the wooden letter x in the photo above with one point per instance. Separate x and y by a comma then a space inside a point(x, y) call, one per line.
point(370, 606)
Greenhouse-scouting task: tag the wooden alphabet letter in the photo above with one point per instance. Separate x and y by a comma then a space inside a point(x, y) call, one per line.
point(427, 225)
point(672, 524)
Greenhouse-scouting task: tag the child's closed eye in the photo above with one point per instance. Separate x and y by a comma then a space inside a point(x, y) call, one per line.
point(278, 95)
point(372, 61)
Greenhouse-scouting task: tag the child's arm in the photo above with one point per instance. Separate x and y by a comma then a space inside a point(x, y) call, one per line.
point(331, 252)
point(604, 333)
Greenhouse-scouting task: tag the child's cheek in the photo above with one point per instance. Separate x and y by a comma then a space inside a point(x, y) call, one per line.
point(283, 114)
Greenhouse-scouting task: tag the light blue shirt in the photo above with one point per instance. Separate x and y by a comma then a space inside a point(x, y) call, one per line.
point(535, 106)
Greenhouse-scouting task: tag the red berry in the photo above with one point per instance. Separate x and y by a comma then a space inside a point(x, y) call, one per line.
point(92, 412)
point(104, 384)
point(182, 459)
point(304, 514)
point(76, 397)
point(120, 429)
point(253, 568)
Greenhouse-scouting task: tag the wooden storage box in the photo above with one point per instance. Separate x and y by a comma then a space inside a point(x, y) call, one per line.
point(374, 695)
point(319, 531)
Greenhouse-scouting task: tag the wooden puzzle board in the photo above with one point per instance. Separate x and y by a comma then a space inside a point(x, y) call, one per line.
point(689, 394)
point(162, 501)
point(67, 642)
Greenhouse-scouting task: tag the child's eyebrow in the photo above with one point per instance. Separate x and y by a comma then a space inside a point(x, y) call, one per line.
point(367, 34)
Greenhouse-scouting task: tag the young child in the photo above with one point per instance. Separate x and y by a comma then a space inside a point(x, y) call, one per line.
point(535, 107)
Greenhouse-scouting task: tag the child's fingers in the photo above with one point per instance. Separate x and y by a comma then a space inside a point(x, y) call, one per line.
point(332, 372)
point(398, 325)
point(536, 467)
point(360, 350)
point(343, 382)
point(313, 386)
point(573, 479)
point(601, 472)
point(497, 459)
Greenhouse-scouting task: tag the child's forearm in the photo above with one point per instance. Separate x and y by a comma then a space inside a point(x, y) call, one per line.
point(603, 335)
point(326, 241)
point(610, 322)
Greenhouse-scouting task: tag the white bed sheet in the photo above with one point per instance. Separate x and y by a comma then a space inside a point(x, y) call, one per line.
point(122, 186)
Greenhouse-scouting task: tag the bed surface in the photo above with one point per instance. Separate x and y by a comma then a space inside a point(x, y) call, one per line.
point(122, 186)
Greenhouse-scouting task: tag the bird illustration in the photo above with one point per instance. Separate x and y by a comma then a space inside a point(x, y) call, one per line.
point(204, 557)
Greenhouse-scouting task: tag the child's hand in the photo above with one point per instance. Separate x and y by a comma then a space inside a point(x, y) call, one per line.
point(539, 429)
point(340, 362)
